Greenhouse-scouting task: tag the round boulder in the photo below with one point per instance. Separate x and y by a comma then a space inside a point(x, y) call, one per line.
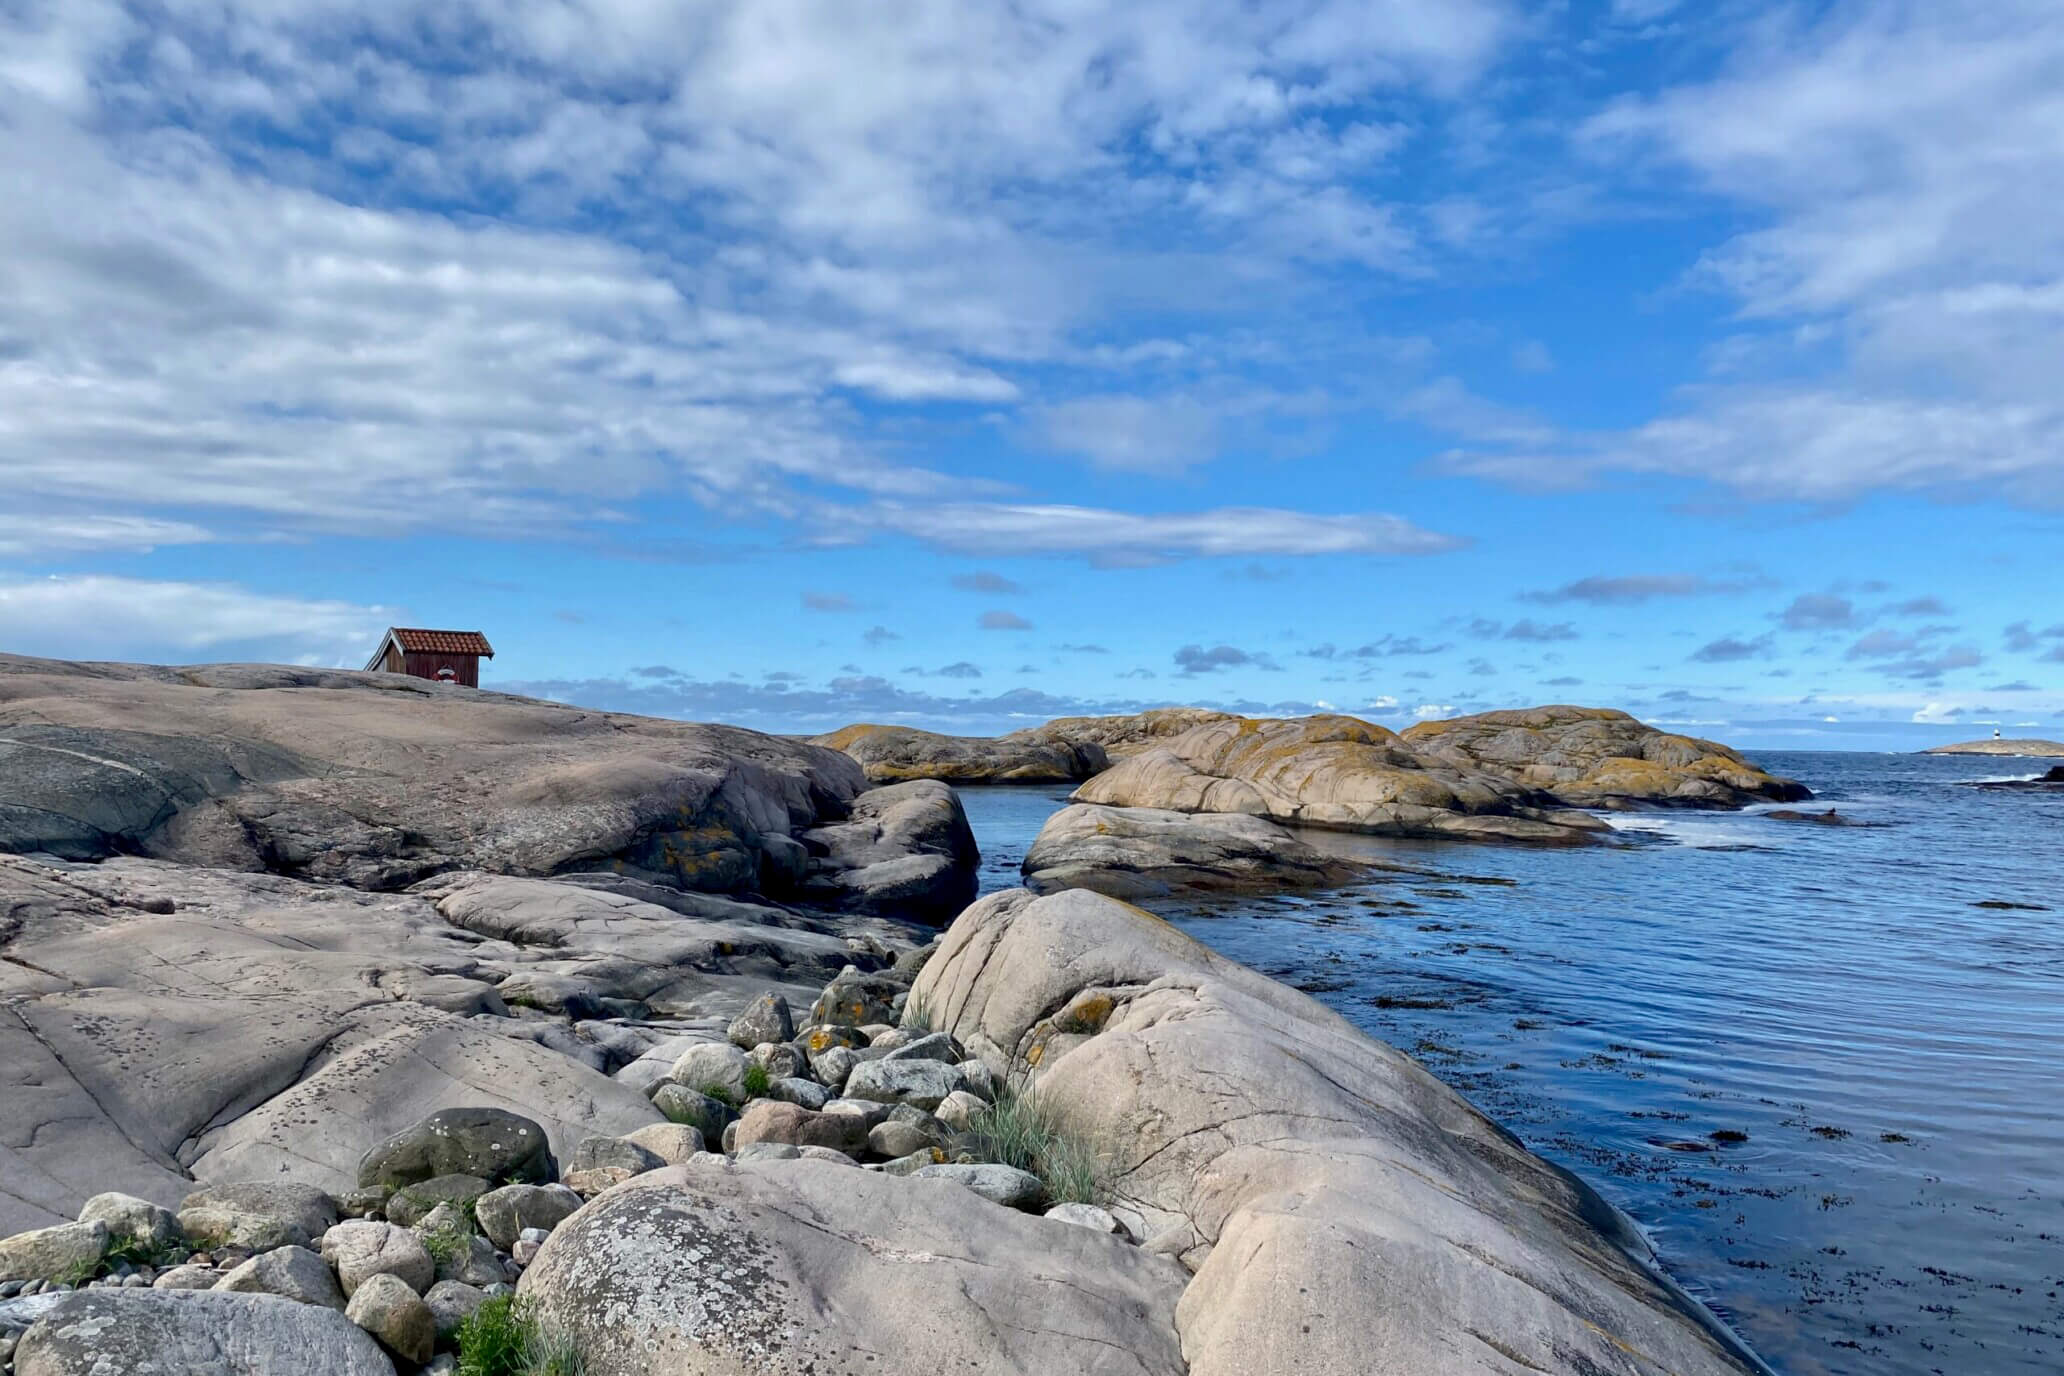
point(496, 1145)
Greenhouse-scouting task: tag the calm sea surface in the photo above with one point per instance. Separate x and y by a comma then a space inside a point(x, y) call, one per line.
point(1888, 1042)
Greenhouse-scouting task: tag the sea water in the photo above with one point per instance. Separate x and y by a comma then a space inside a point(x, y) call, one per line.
point(1822, 1067)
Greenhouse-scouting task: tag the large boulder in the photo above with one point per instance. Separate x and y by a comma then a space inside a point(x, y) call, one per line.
point(904, 848)
point(1140, 853)
point(63, 1251)
point(1341, 1209)
point(258, 1214)
point(720, 1267)
point(1597, 757)
point(170, 1333)
point(397, 1316)
point(1334, 772)
point(293, 1273)
point(504, 1214)
point(488, 1143)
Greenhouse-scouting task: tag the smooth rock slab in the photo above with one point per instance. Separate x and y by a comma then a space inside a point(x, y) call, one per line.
point(721, 1268)
point(166, 1333)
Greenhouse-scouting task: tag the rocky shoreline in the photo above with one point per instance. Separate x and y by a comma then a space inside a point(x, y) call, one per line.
point(2028, 748)
point(349, 1023)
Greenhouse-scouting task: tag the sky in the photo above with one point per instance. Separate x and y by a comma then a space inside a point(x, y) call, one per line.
point(797, 362)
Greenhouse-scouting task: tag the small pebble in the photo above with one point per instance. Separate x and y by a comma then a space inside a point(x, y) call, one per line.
point(536, 1235)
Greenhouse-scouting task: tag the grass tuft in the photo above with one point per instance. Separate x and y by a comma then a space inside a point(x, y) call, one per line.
point(504, 1338)
point(917, 1014)
point(757, 1081)
point(1019, 1130)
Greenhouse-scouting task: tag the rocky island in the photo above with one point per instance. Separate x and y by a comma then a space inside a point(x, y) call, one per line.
point(2028, 747)
point(351, 1019)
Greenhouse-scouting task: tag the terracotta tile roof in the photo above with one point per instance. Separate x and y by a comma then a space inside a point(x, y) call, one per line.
point(416, 641)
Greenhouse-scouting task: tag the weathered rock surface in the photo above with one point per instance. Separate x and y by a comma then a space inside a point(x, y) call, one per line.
point(717, 1267)
point(293, 1273)
point(379, 779)
point(131, 1221)
point(1139, 853)
point(2039, 749)
point(488, 1143)
point(1596, 757)
point(1343, 1212)
point(504, 1214)
point(1065, 750)
point(904, 849)
point(171, 1333)
point(258, 1214)
point(396, 1315)
point(363, 1249)
point(44, 1252)
point(1332, 772)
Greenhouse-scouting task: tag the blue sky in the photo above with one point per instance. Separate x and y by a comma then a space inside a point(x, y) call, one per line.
point(794, 362)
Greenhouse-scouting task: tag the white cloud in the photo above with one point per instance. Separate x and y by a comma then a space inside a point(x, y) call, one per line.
point(22, 534)
point(99, 616)
point(1937, 713)
point(337, 266)
point(1902, 299)
point(1119, 537)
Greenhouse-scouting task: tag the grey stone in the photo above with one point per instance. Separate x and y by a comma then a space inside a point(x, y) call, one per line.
point(410, 1204)
point(958, 1109)
point(672, 1143)
point(165, 1333)
point(832, 1065)
point(766, 1019)
point(1005, 1185)
point(132, 1221)
point(905, 849)
point(870, 1110)
point(491, 1143)
point(853, 999)
point(979, 1080)
point(836, 1158)
point(189, 1276)
point(769, 1151)
point(924, 1084)
point(780, 1060)
point(361, 1249)
point(450, 1303)
point(713, 1068)
point(621, 1152)
point(796, 1090)
point(1086, 1216)
point(933, 1046)
point(631, 1280)
point(256, 1214)
point(505, 1213)
point(1141, 853)
point(915, 1162)
point(396, 1315)
point(293, 1273)
point(692, 1108)
point(58, 1250)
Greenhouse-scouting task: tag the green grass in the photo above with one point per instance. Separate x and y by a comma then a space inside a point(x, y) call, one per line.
point(757, 1082)
point(917, 1014)
point(504, 1338)
point(721, 1093)
point(1018, 1130)
point(451, 1244)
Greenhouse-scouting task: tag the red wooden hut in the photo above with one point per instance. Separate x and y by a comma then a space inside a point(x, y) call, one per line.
point(445, 656)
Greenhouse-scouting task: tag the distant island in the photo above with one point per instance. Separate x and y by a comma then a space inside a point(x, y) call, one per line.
point(2048, 750)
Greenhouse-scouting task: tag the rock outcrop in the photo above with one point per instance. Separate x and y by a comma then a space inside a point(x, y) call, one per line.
point(273, 915)
point(379, 780)
point(1064, 750)
point(1338, 1210)
point(1332, 772)
point(2037, 749)
point(1598, 758)
point(1141, 853)
point(162, 1333)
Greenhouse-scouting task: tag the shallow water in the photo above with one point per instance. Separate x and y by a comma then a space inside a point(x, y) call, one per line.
point(1890, 1050)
